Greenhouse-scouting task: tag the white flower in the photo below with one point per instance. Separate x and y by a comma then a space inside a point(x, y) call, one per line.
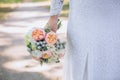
point(37, 53)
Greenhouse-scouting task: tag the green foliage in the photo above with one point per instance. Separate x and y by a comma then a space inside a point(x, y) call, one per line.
point(66, 6)
point(4, 11)
point(39, 0)
point(10, 1)
point(27, 40)
point(17, 1)
point(41, 63)
point(65, 10)
point(33, 46)
point(59, 23)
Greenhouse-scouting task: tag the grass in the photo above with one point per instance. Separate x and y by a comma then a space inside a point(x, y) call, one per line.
point(39, 0)
point(65, 9)
point(4, 12)
point(18, 1)
point(5, 6)
point(10, 1)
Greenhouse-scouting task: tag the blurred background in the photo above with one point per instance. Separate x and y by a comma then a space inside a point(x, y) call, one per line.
point(16, 18)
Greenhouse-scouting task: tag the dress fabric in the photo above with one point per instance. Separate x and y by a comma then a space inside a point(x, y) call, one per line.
point(93, 40)
point(56, 7)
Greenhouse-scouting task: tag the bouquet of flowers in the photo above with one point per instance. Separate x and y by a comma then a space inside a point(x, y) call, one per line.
point(44, 44)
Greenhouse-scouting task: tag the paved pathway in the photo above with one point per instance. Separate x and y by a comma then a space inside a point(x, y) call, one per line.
point(15, 61)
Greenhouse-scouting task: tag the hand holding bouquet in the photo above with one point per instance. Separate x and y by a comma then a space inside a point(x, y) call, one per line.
point(44, 44)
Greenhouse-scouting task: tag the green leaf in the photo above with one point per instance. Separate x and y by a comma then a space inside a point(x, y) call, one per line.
point(33, 46)
point(46, 60)
point(41, 63)
point(29, 45)
point(59, 23)
point(47, 30)
point(27, 38)
point(57, 61)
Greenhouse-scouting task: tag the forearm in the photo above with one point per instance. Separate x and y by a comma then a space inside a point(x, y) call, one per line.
point(55, 9)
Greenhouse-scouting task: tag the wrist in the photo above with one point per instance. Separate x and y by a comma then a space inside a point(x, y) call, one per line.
point(54, 17)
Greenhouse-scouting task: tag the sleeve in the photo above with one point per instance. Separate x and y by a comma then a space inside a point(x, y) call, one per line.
point(56, 7)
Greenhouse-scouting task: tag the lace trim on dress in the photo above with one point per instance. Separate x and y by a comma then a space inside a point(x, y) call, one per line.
point(56, 7)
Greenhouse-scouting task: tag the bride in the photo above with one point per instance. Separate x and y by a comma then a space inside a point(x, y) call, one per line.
point(93, 39)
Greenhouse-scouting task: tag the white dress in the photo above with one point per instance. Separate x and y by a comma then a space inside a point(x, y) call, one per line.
point(93, 39)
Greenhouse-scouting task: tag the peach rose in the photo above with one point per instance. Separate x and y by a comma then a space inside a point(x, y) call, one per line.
point(38, 34)
point(51, 38)
point(46, 54)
